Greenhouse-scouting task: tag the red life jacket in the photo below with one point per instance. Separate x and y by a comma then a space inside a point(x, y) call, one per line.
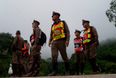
point(32, 39)
point(25, 50)
point(78, 45)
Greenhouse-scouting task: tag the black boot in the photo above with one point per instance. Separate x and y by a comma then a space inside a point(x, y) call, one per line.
point(67, 68)
point(77, 69)
point(14, 67)
point(82, 68)
point(94, 65)
point(55, 69)
point(37, 69)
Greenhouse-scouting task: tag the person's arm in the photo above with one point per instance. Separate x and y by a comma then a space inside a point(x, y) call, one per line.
point(50, 40)
point(95, 35)
point(67, 33)
point(37, 35)
point(13, 46)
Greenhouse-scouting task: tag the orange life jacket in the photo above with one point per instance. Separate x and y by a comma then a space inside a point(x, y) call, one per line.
point(58, 31)
point(25, 50)
point(78, 44)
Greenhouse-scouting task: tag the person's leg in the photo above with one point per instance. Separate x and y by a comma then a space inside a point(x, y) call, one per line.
point(82, 68)
point(37, 58)
point(14, 67)
point(92, 59)
point(62, 49)
point(14, 64)
point(54, 52)
point(31, 66)
point(82, 62)
point(21, 70)
point(22, 65)
point(77, 64)
point(37, 65)
point(93, 64)
point(19, 65)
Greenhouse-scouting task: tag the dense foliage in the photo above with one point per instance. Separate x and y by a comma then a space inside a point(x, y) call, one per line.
point(111, 12)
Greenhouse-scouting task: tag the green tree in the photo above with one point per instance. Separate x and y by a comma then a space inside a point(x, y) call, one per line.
point(111, 12)
point(5, 53)
point(5, 42)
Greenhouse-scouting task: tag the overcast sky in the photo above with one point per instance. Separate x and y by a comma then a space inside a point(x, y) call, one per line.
point(19, 14)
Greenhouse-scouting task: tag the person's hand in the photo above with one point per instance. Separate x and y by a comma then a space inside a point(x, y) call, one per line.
point(34, 46)
point(94, 44)
point(67, 43)
point(49, 44)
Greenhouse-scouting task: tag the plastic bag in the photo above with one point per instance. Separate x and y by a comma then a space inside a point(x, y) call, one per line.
point(10, 71)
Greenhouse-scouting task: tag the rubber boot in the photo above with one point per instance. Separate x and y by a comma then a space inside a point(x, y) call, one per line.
point(82, 68)
point(94, 65)
point(55, 69)
point(67, 68)
point(14, 67)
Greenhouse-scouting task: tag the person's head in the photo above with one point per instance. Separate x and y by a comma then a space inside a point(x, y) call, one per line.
point(18, 33)
point(55, 16)
point(85, 23)
point(77, 33)
point(35, 23)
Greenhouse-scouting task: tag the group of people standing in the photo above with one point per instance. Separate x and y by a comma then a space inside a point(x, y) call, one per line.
point(85, 48)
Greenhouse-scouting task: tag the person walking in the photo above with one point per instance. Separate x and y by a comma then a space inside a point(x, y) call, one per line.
point(59, 40)
point(91, 43)
point(17, 58)
point(34, 63)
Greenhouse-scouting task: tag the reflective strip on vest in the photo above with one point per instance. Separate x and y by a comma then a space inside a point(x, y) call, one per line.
point(86, 41)
point(87, 36)
point(58, 31)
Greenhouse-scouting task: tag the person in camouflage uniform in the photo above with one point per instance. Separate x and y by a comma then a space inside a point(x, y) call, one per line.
point(34, 63)
point(26, 55)
point(91, 43)
point(17, 58)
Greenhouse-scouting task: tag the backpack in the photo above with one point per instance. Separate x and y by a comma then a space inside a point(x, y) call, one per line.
point(43, 39)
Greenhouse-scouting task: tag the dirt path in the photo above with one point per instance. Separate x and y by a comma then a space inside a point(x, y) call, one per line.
point(85, 76)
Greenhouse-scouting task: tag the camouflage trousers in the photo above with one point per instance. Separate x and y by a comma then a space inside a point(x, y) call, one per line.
point(18, 64)
point(34, 62)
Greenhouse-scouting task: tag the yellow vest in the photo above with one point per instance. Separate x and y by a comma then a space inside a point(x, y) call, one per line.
point(87, 36)
point(58, 31)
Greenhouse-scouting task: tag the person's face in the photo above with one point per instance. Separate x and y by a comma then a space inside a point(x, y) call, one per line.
point(55, 17)
point(85, 25)
point(77, 34)
point(34, 25)
point(18, 35)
